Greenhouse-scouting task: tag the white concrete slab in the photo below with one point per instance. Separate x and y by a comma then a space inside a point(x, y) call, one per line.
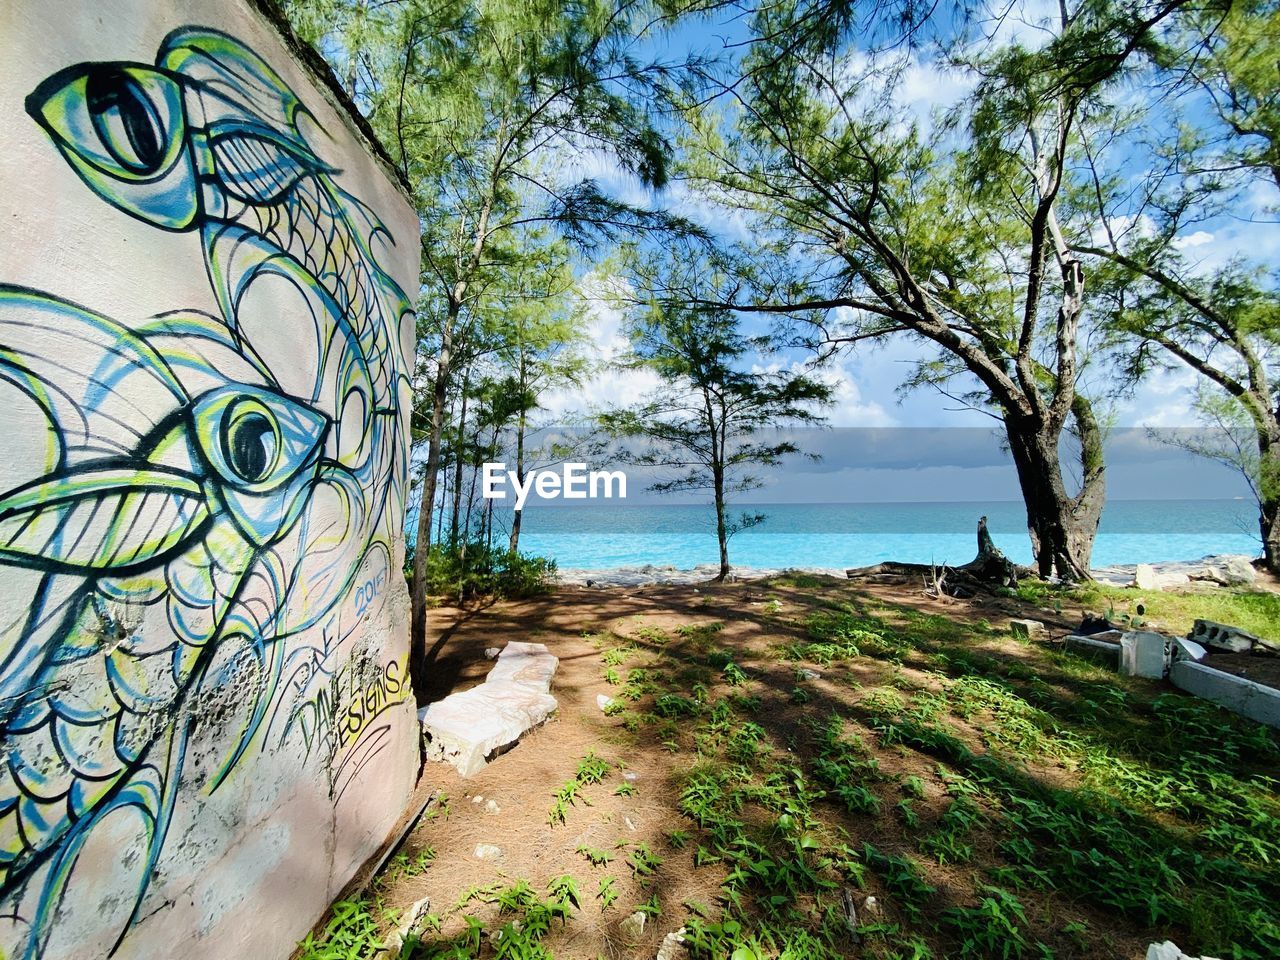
point(468, 729)
point(530, 664)
point(1237, 694)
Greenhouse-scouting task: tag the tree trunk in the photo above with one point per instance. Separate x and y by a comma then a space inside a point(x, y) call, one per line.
point(422, 543)
point(457, 466)
point(1269, 522)
point(1062, 527)
point(1269, 497)
point(514, 541)
point(722, 533)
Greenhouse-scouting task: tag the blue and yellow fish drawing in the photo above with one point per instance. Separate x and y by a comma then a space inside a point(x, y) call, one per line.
point(209, 482)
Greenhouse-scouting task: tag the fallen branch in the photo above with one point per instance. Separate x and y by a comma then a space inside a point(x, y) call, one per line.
point(990, 568)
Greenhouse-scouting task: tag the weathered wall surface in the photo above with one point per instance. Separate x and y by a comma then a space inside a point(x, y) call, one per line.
point(204, 706)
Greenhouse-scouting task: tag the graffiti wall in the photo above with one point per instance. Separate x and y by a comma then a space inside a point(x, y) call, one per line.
point(205, 717)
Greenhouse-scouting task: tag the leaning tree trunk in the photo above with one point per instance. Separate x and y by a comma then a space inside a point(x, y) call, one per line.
point(1062, 527)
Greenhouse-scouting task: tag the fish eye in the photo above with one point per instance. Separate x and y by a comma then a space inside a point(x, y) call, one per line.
point(126, 120)
point(256, 440)
point(250, 440)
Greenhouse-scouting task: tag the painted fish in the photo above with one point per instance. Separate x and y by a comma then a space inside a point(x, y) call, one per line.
point(211, 482)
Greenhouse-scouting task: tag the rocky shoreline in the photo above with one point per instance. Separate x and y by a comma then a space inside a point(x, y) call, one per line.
point(1220, 570)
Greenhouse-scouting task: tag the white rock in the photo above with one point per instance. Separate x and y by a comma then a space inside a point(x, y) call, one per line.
point(602, 701)
point(1239, 571)
point(491, 653)
point(807, 674)
point(410, 924)
point(487, 851)
point(871, 907)
point(1144, 577)
point(465, 729)
point(627, 821)
point(491, 806)
point(1169, 951)
point(672, 947)
point(630, 776)
point(477, 799)
point(528, 664)
point(632, 927)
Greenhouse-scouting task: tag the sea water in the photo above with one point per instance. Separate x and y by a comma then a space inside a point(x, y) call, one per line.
point(606, 536)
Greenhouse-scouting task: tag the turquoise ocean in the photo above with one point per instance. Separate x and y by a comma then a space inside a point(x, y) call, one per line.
point(607, 536)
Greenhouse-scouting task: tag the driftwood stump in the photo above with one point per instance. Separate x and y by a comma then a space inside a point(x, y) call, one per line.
point(990, 568)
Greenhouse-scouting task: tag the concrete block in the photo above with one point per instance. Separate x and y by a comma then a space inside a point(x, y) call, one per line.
point(1108, 654)
point(1237, 694)
point(1144, 654)
point(1026, 629)
point(1222, 637)
point(468, 729)
point(1188, 650)
point(528, 664)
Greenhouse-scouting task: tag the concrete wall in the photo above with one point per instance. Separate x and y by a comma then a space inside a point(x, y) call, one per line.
point(204, 702)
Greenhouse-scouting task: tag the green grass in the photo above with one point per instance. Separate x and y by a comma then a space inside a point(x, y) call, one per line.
point(1255, 611)
point(983, 795)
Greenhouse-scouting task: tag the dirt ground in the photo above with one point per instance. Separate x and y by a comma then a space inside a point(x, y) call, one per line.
point(579, 625)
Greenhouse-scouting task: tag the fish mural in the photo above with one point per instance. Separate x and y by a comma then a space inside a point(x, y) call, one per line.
point(210, 482)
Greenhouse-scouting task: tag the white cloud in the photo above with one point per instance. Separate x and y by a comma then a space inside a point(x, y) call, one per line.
point(610, 386)
point(1197, 239)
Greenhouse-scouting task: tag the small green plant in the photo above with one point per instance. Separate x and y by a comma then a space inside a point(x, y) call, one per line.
point(595, 856)
point(438, 808)
point(625, 789)
point(403, 866)
point(591, 769)
point(606, 894)
point(644, 863)
point(352, 932)
point(655, 635)
point(991, 929)
point(907, 813)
